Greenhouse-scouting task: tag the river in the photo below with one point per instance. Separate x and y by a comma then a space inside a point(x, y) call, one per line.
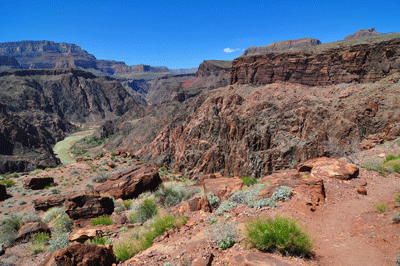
point(61, 149)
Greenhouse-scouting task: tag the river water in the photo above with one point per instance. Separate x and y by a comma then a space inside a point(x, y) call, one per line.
point(62, 147)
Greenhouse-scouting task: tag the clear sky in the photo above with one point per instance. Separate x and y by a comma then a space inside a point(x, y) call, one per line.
point(183, 34)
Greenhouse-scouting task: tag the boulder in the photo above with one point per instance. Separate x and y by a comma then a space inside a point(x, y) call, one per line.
point(82, 255)
point(362, 190)
point(38, 182)
point(3, 193)
point(29, 229)
point(45, 203)
point(88, 206)
point(131, 182)
point(192, 205)
point(330, 168)
point(83, 234)
point(222, 187)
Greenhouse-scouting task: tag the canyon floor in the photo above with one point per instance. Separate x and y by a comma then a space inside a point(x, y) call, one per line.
point(348, 229)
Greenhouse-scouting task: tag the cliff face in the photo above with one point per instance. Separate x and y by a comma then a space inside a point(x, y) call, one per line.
point(331, 64)
point(39, 106)
point(10, 62)
point(282, 46)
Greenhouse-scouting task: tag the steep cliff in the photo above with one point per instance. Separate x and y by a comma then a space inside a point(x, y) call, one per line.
point(360, 60)
point(282, 46)
point(40, 106)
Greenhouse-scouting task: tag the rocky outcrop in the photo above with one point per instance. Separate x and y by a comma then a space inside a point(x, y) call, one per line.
point(131, 182)
point(282, 46)
point(223, 188)
point(363, 33)
point(328, 64)
point(88, 206)
point(82, 255)
point(29, 229)
point(38, 182)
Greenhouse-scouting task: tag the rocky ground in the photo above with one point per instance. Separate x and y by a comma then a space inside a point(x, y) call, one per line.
point(347, 227)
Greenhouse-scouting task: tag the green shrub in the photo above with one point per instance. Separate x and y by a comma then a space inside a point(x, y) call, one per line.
point(160, 225)
point(104, 220)
point(124, 251)
point(99, 241)
point(282, 193)
point(145, 211)
point(113, 154)
point(212, 199)
point(60, 220)
point(127, 203)
point(283, 233)
point(9, 227)
point(8, 183)
point(39, 241)
point(391, 157)
point(249, 180)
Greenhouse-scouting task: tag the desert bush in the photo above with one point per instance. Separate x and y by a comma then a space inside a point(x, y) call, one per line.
point(145, 210)
point(124, 250)
point(283, 234)
point(391, 157)
point(173, 193)
point(99, 241)
point(222, 233)
point(39, 242)
point(100, 178)
point(9, 227)
point(282, 193)
point(104, 220)
point(127, 203)
point(59, 240)
point(60, 221)
point(249, 180)
point(262, 203)
point(212, 199)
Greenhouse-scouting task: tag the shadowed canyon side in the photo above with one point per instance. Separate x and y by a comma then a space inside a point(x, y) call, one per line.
point(360, 60)
point(41, 106)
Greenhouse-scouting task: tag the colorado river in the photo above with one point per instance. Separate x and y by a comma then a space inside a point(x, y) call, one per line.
point(62, 147)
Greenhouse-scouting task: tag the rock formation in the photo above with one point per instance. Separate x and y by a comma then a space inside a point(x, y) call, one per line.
point(322, 65)
point(9, 61)
point(282, 46)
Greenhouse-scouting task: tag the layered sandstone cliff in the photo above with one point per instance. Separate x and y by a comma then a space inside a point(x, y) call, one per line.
point(282, 46)
point(334, 63)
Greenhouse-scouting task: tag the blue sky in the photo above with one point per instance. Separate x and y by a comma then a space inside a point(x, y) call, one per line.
point(183, 34)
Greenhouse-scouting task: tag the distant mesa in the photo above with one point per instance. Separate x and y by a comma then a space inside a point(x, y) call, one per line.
point(363, 33)
point(50, 55)
point(282, 46)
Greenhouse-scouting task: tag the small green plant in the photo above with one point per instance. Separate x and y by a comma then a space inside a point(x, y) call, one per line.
point(160, 225)
point(212, 220)
point(144, 211)
point(380, 206)
point(99, 241)
point(226, 243)
point(123, 229)
point(127, 203)
point(124, 251)
point(39, 242)
point(113, 154)
point(249, 180)
point(104, 220)
point(15, 175)
point(21, 202)
point(391, 157)
point(283, 234)
point(8, 183)
point(58, 241)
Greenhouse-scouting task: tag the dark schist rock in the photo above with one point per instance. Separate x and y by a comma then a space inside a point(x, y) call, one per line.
point(38, 182)
point(88, 206)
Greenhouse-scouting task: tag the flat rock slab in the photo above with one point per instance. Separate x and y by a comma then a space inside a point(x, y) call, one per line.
point(29, 229)
point(131, 182)
point(45, 203)
point(330, 168)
